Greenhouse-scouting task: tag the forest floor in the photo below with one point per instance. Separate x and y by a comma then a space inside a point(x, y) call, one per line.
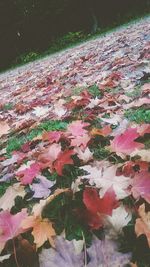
point(74, 155)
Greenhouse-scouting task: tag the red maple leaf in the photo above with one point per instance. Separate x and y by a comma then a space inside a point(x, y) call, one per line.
point(63, 159)
point(97, 205)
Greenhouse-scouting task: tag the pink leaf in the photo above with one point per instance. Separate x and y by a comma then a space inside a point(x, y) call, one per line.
point(141, 186)
point(10, 225)
point(27, 175)
point(124, 143)
point(76, 128)
point(80, 141)
point(49, 155)
point(52, 137)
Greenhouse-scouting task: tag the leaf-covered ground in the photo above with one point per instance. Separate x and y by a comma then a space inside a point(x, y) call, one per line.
point(74, 156)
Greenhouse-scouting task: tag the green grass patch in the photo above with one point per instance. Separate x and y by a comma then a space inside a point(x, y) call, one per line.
point(8, 106)
point(95, 91)
point(135, 93)
point(139, 116)
point(15, 142)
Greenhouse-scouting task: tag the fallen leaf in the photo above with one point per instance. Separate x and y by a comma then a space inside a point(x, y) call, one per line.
point(105, 177)
point(104, 253)
point(27, 175)
point(63, 159)
point(41, 189)
point(7, 201)
point(76, 128)
point(4, 128)
point(105, 131)
point(53, 257)
point(142, 224)
point(97, 205)
point(124, 144)
point(85, 155)
point(50, 154)
point(10, 226)
point(141, 185)
point(52, 137)
point(80, 141)
point(42, 230)
point(119, 218)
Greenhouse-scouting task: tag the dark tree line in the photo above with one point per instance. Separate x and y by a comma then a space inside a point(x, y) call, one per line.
point(31, 25)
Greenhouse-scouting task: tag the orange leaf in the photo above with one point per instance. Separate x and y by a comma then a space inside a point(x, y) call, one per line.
point(42, 230)
point(142, 225)
point(104, 131)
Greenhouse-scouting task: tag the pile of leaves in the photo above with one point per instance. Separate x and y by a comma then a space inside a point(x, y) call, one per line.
point(75, 172)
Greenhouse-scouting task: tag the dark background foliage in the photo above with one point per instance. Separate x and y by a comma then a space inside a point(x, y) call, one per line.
point(33, 25)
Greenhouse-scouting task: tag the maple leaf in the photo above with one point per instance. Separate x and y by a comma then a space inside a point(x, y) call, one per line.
point(52, 137)
point(10, 225)
point(50, 154)
point(80, 141)
point(124, 143)
point(53, 257)
point(4, 128)
point(7, 201)
point(27, 175)
point(85, 155)
point(63, 159)
point(42, 230)
point(105, 177)
point(104, 253)
point(105, 131)
point(59, 108)
point(142, 224)
point(41, 189)
point(119, 218)
point(97, 205)
point(76, 128)
point(10, 161)
point(141, 185)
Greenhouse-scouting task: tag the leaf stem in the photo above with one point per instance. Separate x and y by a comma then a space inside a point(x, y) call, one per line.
point(15, 255)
